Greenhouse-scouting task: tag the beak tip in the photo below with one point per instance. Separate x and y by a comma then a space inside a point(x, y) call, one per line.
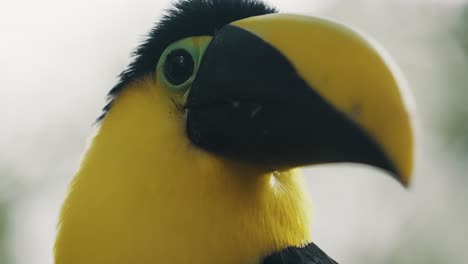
point(403, 178)
point(405, 182)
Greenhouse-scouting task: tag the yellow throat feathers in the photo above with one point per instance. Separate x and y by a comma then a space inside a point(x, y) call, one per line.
point(145, 194)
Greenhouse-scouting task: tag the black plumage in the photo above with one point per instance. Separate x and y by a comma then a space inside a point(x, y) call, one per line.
point(187, 18)
point(310, 254)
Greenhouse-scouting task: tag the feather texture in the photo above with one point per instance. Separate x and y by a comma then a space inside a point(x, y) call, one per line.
point(310, 254)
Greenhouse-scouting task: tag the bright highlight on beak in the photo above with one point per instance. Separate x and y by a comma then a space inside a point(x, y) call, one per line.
point(287, 90)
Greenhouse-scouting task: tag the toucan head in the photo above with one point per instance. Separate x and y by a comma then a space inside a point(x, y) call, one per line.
point(276, 90)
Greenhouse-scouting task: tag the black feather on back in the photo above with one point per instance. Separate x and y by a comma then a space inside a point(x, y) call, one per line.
point(185, 19)
point(311, 254)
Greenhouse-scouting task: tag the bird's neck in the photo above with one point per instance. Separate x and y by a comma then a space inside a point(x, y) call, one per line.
point(149, 197)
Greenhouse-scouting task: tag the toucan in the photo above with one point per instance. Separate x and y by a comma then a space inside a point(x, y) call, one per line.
point(197, 154)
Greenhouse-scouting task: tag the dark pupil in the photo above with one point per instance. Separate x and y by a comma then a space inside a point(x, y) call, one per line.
point(178, 66)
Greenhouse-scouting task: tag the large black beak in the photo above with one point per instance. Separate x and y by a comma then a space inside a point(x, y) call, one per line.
point(251, 102)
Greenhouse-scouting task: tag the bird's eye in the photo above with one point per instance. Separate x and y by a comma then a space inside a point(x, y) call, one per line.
point(178, 66)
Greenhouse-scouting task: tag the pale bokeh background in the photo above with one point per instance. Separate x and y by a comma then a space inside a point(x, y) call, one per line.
point(58, 59)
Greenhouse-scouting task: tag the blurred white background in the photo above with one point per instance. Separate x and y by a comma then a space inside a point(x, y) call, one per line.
point(58, 59)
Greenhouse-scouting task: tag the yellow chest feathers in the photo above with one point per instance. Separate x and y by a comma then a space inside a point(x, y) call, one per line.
point(144, 194)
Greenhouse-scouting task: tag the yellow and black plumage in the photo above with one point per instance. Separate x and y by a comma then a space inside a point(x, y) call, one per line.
point(194, 160)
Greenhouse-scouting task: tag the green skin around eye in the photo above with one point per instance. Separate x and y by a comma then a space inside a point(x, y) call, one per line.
point(196, 46)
